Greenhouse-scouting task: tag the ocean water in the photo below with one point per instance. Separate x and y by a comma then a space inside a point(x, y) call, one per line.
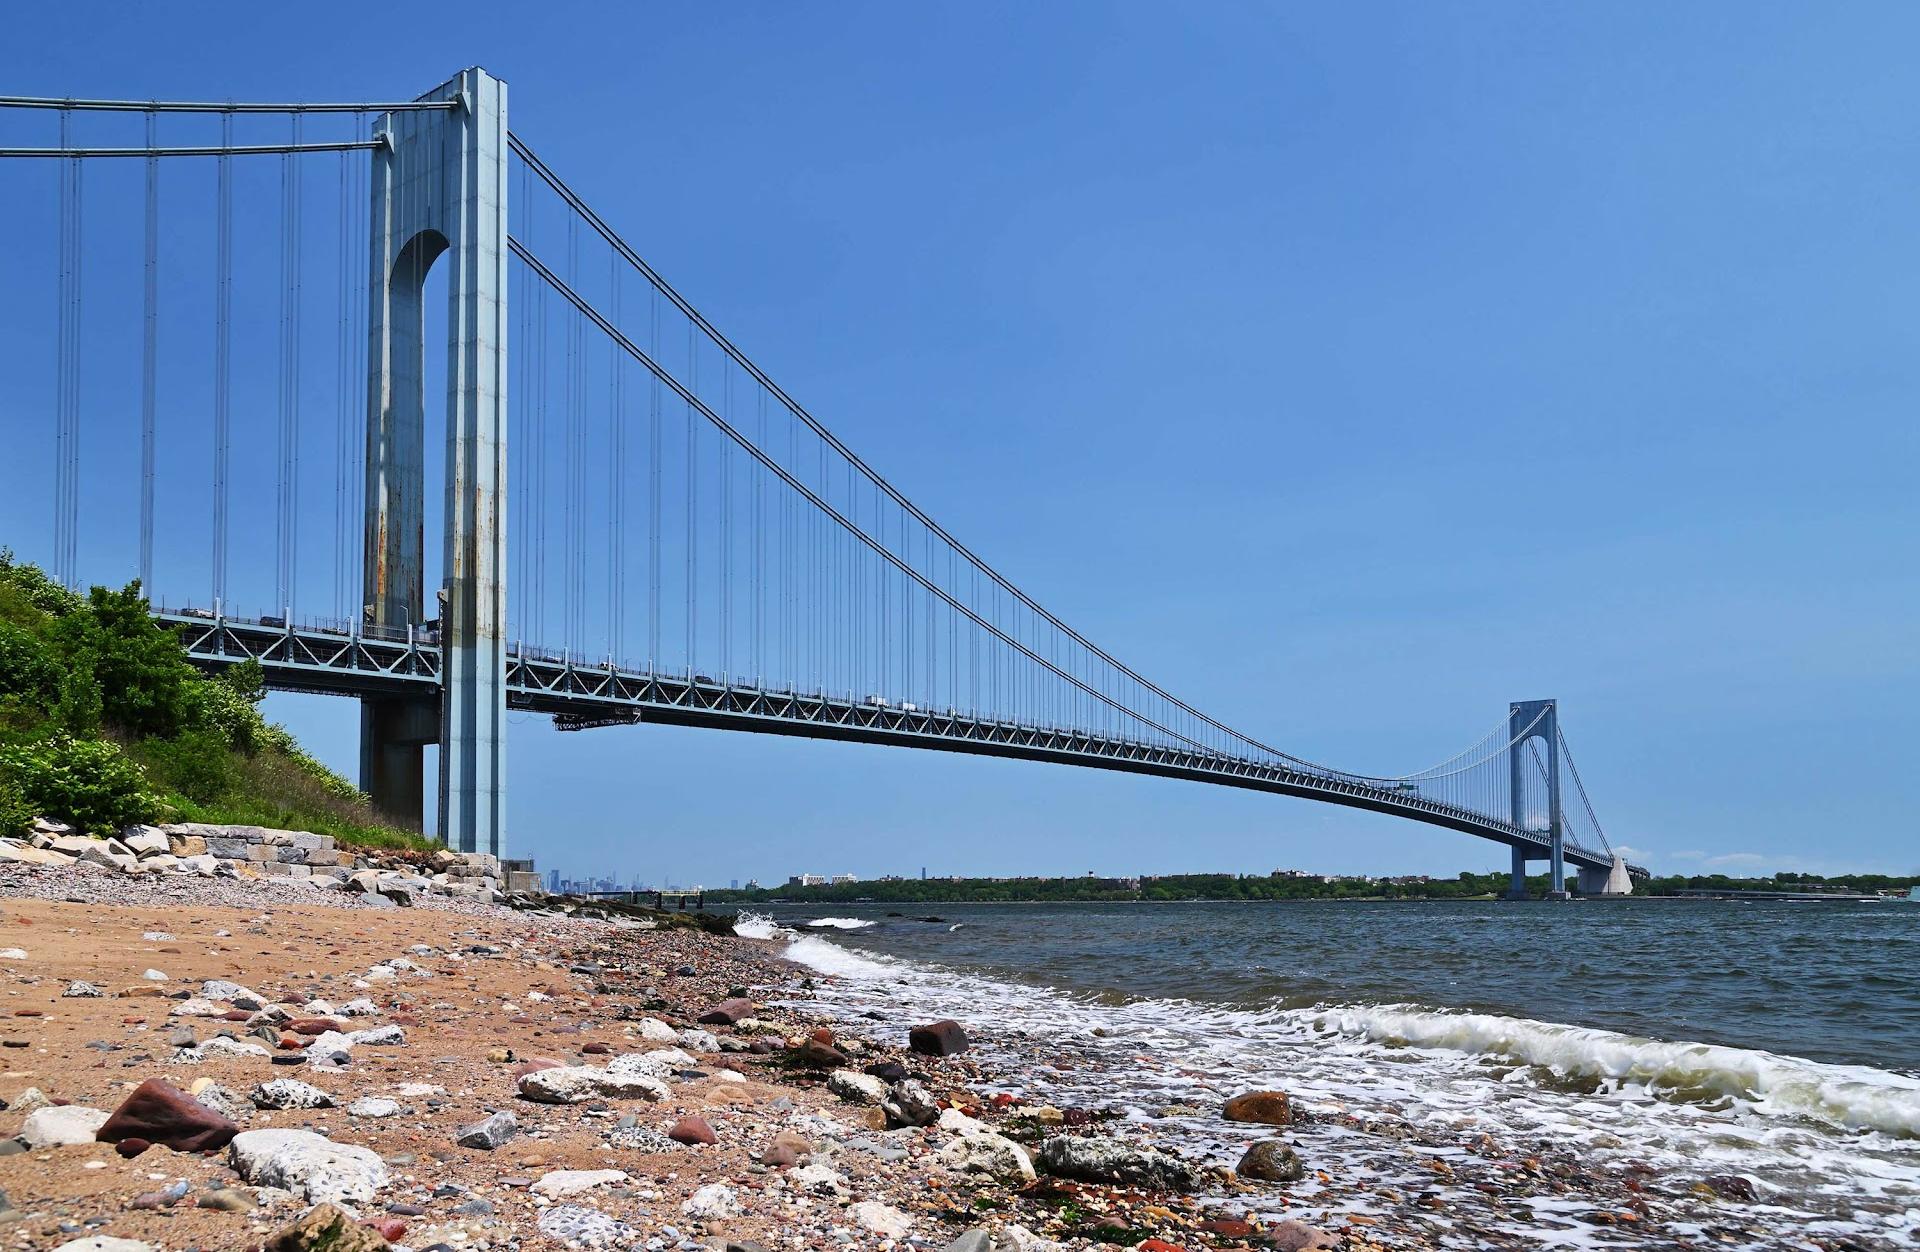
point(1780, 1042)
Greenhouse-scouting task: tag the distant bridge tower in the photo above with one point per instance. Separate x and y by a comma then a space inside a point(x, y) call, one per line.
point(440, 186)
point(1536, 719)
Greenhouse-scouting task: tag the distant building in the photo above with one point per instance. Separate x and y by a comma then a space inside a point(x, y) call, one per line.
point(837, 879)
point(807, 880)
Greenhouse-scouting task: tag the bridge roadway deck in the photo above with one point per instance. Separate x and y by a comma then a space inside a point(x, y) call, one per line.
point(307, 659)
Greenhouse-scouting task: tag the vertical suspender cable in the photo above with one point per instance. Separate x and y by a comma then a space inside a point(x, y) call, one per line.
point(149, 359)
point(616, 472)
point(693, 496)
point(726, 529)
point(283, 528)
point(63, 355)
point(653, 491)
point(222, 356)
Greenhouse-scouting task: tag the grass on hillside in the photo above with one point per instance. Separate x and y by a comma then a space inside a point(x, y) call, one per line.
point(104, 723)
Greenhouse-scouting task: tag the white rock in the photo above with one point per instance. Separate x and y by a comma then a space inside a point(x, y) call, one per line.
point(82, 990)
point(317, 1008)
point(572, 1084)
point(374, 1106)
point(13, 954)
point(650, 1028)
point(984, 1152)
point(154, 975)
point(817, 1178)
point(289, 1093)
point(220, 1045)
point(658, 1064)
point(103, 1243)
point(198, 1007)
point(881, 1219)
point(716, 1199)
point(227, 992)
point(359, 1008)
point(308, 1165)
point(856, 1088)
point(957, 1122)
point(62, 1125)
point(559, 1183)
point(378, 1037)
point(1020, 1239)
point(29, 1100)
point(699, 1041)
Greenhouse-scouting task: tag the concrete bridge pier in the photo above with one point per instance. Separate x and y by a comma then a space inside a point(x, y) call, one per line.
point(1611, 881)
point(1517, 888)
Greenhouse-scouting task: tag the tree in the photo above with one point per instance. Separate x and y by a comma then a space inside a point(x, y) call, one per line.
point(144, 681)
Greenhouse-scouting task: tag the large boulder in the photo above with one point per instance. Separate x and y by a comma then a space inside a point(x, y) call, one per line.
point(307, 1164)
point(1270, 1108)
point(1098, 1158)
point(161, 1113)
point(941, 1038)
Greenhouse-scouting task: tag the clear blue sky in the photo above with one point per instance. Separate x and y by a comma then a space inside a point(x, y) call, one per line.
point(1351, 374)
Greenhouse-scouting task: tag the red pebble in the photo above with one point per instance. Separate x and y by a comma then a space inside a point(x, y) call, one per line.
point(289, 1043)
point(822, 1035)
point(131, 1147)
point(594, 1049)
point(1159, 1245)
point(388, 1228)
point(27, 1013)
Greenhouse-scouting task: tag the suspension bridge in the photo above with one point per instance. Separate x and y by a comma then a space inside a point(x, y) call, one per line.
point(674, 539)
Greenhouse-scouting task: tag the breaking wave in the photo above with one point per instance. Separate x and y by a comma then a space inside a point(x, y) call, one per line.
point(1849, 1096)
point(841, 923)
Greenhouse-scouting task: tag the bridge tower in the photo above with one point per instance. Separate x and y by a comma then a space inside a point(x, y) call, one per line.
point(1536, 719)
point(440, 187)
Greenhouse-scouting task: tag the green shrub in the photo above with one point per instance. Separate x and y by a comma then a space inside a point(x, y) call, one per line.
point(14, 812)
point(35, 588)
point(145, 681)
point(197, 764)
point(86, 782)
point(26, 669)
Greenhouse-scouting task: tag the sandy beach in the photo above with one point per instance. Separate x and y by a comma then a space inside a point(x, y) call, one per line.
point(472, 1076)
